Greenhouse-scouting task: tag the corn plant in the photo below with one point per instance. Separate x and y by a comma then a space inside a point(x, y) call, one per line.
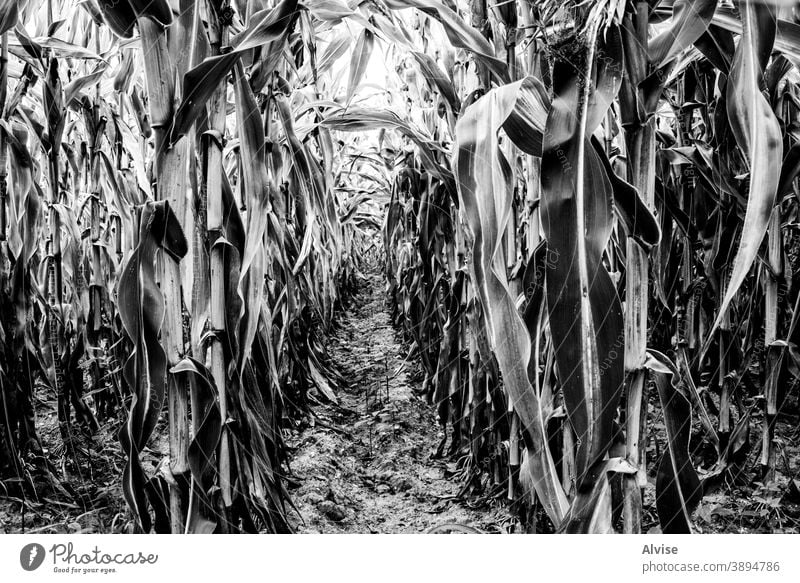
point(590, 213)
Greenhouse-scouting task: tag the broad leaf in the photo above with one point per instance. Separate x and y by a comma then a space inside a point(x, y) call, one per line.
point(359, 60)
point(141, 308)
point(758, 134)
point(158, 10)
point(119, 16)
point(486, 193)
point(678, 489)
point(690, 20)
point(460, 34)
point(199, 84)
point(265, 26)
point(577, 218)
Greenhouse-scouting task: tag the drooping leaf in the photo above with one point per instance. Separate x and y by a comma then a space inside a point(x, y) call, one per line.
point(329, 10)
point(485, 190)
point(584, 308)
point(158, 10)
point(141, 308)
point(30, 46)
point(591, 511)
point(359, 60)
point(335, 49)
point(638, 220)
point(525, 124)
point(787, 39)
point(758, 134)
point(434, 74)
point(119, 16)
point(360, 119)
point(678, 488)
point(75, 87)
point(199, 84)
point(309, 179)
point(717, 46)
point(205, 440)
point(790, 168)
point(265, 26)
point(9, 11)
point(690, 20)
point(62, 48)
point(157, 492)
point(460, 34)
point(257, 190)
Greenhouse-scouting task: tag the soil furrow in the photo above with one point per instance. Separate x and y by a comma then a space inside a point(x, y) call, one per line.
point(375, 473)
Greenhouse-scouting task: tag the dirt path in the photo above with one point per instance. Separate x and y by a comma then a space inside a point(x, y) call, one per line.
point(374, 472)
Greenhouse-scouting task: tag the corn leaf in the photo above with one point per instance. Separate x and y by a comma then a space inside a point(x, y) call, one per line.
point(359, 60)
point(9, 11)
point(335, 49)
point(158, 10)
point(460, 34)
point(199, 85)
point(257, 190)
point(265, 26)
point(690, 20)
point(205, 440)
point(577, 219)
point(485, 191)
point(758, 134)
point(359, 119)
point(591, 511)
point(637, 219)
point(678, 489)
point(202, 81)
point(119, 16)
point(437, 78)
point(141, 308)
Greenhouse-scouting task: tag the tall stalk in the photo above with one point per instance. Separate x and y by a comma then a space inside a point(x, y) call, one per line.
point(480, 21)
point(96, 123)
point(53, 98)
point(640, 141)
point(212, 177)
point(3, 152)
point(774, 350)
point(170, 182)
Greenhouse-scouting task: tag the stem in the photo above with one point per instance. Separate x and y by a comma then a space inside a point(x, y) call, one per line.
point(3, 139)
point(170, 185)
point(640, 141)
point(774, 351)
point(480, 22)
point(215, 213)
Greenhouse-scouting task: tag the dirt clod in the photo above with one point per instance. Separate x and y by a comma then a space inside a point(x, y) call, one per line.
point(332, 510)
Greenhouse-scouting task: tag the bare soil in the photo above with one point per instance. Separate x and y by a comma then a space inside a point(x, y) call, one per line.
point(367, 464)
